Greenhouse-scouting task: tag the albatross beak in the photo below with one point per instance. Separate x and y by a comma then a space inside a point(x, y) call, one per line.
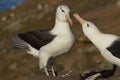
point(82, 21)
point(69, 19)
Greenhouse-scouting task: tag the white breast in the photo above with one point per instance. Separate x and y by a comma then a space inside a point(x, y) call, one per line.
point(60, 45)
point(63, 41)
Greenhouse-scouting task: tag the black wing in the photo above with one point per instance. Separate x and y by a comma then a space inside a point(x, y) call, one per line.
point(37, 39)
point(115, 48)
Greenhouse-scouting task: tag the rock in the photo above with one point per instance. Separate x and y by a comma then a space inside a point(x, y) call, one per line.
point(12, 15)
point(4, 18)
point(39, 7)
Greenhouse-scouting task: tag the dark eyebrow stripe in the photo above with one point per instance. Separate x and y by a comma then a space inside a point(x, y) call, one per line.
point(62, 9)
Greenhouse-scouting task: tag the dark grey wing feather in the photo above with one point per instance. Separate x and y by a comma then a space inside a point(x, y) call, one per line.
point(19, 43)
point(115, 48)
point(36, 39)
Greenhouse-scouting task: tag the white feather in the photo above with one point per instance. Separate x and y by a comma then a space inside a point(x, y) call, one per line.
point(101, 41)
point(62, 42)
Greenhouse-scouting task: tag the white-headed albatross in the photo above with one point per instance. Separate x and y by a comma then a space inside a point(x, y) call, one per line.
point(47, 45)
point(108, 45)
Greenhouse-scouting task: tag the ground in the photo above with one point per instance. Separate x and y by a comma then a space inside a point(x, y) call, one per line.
point(83, 57)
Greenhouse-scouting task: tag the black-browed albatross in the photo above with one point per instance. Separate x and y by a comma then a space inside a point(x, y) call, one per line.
point(47, 45)
point(108, 45)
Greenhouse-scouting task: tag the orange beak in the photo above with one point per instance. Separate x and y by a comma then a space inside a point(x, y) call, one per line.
point(82, 21)
point(69, 19)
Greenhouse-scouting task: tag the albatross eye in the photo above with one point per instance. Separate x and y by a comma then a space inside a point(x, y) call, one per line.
point(87, 25)
point(62, 9)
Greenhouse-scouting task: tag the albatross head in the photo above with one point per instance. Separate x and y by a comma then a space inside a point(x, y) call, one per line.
point(62, 14)
point(88, 27)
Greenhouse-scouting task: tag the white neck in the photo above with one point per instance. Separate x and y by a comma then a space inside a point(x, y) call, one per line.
point(95, 38)
point(101, 40)
point(61, 27)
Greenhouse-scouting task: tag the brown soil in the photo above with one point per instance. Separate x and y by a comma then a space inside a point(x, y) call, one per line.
point(42, 76)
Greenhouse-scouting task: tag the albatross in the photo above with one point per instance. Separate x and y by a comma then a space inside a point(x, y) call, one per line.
point(47, 45)
point(107, 44)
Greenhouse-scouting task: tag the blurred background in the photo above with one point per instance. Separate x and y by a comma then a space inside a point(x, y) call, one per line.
point(18, 16)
